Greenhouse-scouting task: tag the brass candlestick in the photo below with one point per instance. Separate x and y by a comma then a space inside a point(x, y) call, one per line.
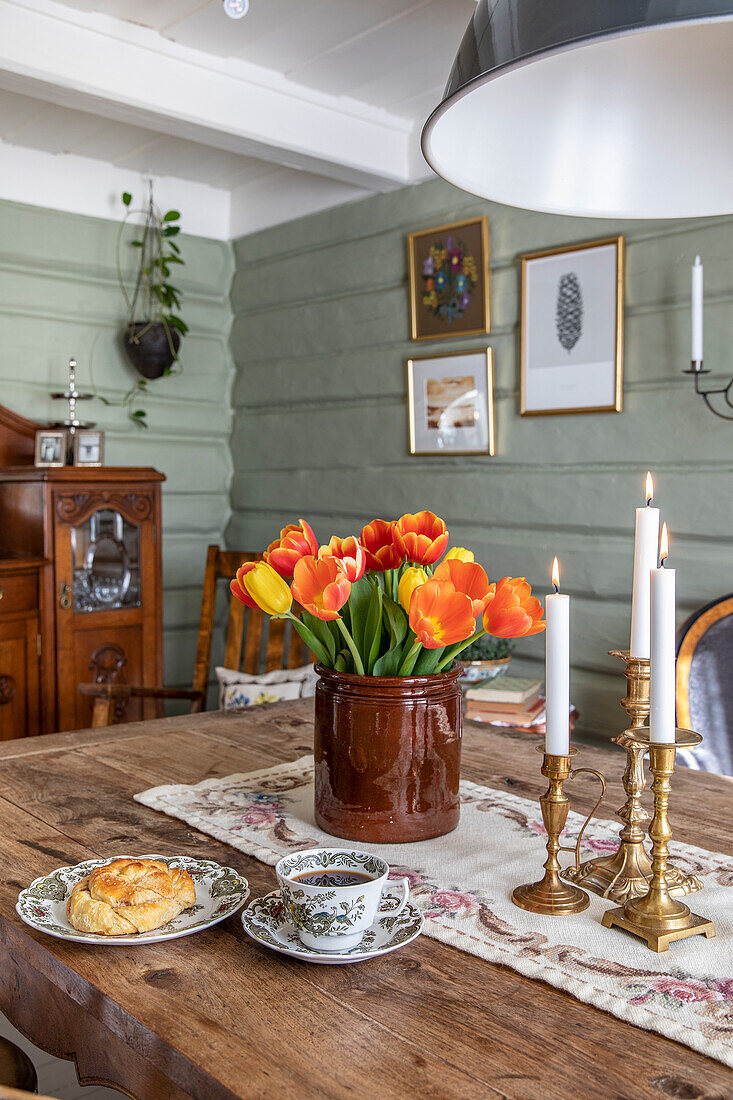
point(551, 895)
point(657, 917)
point(626, 873)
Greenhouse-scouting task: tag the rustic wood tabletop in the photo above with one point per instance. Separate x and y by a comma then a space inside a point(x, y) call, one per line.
point(216, 1017)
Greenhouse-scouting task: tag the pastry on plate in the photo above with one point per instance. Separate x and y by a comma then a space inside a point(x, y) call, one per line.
point(128, 896)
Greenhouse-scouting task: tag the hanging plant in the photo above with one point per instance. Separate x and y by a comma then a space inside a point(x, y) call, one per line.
point(154, 327)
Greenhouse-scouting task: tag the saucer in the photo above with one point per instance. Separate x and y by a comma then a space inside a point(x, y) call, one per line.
point(220, 891)
point(267, 920)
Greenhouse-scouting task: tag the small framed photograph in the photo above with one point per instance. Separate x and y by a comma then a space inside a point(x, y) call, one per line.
point(88, 447)
point(573, 329)
point(449, 280)
point(451, 403)
point(51, 444)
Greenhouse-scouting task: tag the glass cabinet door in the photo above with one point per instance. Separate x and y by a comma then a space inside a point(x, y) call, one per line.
point(105, 552)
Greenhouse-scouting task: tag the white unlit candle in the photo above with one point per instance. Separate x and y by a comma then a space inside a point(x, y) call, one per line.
point(646, 541)
point(557, 672)
point(697, 311)
point(662, 685)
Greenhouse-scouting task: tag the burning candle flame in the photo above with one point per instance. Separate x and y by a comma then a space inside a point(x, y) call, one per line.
point(664, 545)
point(649, 488)
point(556, 575)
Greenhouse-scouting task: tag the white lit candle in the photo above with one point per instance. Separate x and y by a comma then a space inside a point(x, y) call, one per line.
point(646, 540)
point(662, 685)
point(697, 311)
point(557, 668)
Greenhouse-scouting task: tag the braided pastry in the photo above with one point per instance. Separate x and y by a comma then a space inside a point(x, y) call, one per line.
point(128, 896)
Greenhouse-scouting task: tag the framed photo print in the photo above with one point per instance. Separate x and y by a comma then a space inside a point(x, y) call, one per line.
point(51, 447)
point(451, 403)
point(88, 447)
point(573, 329)
point(449, 280)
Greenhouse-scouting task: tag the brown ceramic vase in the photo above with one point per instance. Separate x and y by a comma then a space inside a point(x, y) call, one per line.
point(388, 755)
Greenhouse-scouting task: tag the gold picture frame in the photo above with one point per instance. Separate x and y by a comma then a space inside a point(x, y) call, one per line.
point(451, 440)
point(88, 447)
point(613, 327)
point(440, 321)
point(51, 447)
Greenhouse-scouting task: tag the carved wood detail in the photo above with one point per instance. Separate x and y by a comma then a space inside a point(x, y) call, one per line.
point(76, 507)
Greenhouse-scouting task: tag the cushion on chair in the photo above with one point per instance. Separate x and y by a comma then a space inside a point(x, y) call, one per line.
point(238, 689)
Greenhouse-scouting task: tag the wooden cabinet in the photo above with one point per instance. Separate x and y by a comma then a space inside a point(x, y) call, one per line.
point(20, 644)
point(80, 573)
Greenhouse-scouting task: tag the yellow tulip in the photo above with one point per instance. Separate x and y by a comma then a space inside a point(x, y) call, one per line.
point(411, 579)
point(459, 553)
point(268, 589)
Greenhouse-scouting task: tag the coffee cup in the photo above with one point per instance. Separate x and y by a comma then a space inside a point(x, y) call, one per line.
point(335, 894)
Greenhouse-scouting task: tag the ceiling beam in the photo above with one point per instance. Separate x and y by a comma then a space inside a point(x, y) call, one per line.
point(118, 70)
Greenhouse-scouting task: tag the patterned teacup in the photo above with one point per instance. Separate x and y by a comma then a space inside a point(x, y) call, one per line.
point(335, 894)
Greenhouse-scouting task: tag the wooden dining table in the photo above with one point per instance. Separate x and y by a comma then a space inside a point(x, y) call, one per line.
point(215, 1016)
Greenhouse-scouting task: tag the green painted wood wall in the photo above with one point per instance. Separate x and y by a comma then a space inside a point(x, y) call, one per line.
point(59, 297)
point(319, 339)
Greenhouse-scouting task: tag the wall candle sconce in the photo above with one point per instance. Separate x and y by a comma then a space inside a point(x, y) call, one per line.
point(696, 368)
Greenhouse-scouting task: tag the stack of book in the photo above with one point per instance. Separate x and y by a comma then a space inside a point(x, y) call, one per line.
point(510, 701)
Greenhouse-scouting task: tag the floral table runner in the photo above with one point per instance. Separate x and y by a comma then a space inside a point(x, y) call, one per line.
point(463, 883)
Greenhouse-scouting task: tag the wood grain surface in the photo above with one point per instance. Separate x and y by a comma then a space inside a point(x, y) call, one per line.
point(216, 1017)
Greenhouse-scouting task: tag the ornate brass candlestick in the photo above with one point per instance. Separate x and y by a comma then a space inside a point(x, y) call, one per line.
point(627, 872)
point(551, 895)
point(657, 917)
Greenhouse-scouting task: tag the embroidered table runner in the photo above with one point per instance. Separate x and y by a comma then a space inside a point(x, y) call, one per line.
point(463, 883)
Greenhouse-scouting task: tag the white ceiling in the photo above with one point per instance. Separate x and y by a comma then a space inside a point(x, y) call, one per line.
point(323, 98)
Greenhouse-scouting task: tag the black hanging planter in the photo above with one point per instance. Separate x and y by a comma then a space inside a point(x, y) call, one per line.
point(150, 348)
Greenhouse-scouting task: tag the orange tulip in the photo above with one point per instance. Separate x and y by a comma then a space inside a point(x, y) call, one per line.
point(296, 540)
point(421, 538)
point(349, 552)
point(439, 615)
point(381, 551)
point(236, 585)
point(467, 577)
point(321, 586)
point(511, 610)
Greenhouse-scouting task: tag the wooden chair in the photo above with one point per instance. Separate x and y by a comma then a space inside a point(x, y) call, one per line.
point(704, 685)
point(17, 1072)
point(254, 644)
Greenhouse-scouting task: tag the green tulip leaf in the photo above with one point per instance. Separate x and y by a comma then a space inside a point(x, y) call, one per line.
point(373, 629)
point(312, 642)
point(428, 661)
point(322, 631)
point(396, 619)
point(359, 600)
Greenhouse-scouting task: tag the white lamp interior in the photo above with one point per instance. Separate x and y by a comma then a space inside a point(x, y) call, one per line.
point(634, 126)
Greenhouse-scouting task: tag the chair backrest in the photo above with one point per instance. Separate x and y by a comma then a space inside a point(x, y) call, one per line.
point(254, 642)
point(705, 684)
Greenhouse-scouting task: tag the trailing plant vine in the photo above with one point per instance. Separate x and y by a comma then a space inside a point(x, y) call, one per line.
point(154, 299)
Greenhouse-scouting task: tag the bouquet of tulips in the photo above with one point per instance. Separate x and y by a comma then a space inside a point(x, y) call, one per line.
point(383, 604)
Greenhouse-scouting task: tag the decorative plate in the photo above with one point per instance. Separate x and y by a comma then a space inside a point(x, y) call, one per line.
point(220, 891)
point(267, 920)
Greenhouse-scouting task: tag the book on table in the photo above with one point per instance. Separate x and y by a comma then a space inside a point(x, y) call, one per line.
point(509, 690)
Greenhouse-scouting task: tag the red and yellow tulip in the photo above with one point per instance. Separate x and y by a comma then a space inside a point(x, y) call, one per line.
point(265, 588)
point(511, 611)
point(349, 552)
point(296, 541)
point(420, 538)
point(439, 615)
point(236, 585)
point(321, 586)
point(467, 577)
point(381, 552)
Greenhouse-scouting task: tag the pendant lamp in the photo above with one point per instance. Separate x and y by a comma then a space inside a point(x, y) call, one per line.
point(603, 108)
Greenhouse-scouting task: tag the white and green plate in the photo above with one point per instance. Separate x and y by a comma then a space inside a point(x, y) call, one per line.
point(220, 891)
point(267, 921)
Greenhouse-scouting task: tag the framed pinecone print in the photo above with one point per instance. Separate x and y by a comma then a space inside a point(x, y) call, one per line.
point(573, 329)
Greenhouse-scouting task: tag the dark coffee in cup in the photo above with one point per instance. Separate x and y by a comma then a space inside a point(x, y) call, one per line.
point(333, 878)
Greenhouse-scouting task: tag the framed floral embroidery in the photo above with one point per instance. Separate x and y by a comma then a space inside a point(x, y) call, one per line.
point(449, 280)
